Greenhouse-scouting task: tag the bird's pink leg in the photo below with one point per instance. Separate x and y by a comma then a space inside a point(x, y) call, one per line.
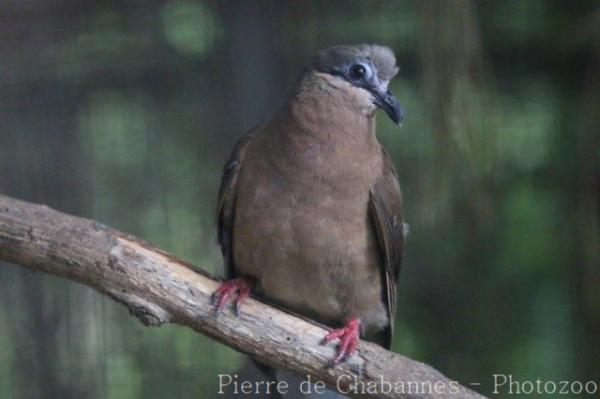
point(223, 294)
point(349, 336)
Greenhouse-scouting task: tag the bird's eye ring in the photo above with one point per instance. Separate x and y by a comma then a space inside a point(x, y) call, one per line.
point(357, 71)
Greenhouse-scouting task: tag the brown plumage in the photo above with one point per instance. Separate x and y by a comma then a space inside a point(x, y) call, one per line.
point(309, 211)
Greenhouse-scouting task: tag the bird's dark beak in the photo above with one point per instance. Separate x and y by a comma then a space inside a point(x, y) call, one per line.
point(391, 106)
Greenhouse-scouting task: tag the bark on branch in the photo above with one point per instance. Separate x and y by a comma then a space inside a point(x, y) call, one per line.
point(158, 288)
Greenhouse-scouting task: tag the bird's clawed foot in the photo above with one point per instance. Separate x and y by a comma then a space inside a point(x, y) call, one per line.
point(223, 295)
point(348, 336)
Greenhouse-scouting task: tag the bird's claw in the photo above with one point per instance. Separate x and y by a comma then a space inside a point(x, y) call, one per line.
point(349, 338)
point(223, 295)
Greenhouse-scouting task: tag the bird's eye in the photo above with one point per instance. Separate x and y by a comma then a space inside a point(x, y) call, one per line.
point(357, 71)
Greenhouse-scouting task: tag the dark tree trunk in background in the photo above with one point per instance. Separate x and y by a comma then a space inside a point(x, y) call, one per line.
point(454, 79)
point(41, 160)
point(42, 143)
point(587, 200)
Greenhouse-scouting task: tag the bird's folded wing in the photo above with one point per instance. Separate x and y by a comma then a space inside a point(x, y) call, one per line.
point(227, 198)
point(385, 210)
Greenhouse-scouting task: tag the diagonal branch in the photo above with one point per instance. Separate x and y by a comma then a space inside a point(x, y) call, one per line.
point(157, 288)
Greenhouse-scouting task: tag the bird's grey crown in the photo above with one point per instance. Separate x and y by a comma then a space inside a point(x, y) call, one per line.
point(335, 58)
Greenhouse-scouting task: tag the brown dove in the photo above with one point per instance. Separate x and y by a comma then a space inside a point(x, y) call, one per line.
point(309, 209)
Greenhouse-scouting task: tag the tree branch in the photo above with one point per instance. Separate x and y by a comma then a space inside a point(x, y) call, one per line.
point(157, 288)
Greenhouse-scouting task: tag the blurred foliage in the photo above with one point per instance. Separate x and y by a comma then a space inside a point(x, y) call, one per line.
point(190, 27)
point(125, 112)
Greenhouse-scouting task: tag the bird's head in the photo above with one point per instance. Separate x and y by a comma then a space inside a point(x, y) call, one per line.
point(362, 74)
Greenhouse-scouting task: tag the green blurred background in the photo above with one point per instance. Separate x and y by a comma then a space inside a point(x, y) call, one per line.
point(125, 111)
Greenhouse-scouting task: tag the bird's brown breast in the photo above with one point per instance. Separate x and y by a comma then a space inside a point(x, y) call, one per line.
point(302, 226)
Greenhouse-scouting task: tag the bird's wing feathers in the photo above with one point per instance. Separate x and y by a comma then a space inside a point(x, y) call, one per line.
point(385, 210)
point(227, 198)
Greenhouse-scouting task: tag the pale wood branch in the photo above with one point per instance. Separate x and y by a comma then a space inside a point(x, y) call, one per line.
point(158, 288)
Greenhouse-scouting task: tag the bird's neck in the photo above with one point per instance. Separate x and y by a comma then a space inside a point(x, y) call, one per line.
point(320, 133)
point(321, 112)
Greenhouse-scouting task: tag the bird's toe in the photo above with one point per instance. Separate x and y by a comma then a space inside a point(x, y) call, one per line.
point(349, 338)
point(226, 291)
